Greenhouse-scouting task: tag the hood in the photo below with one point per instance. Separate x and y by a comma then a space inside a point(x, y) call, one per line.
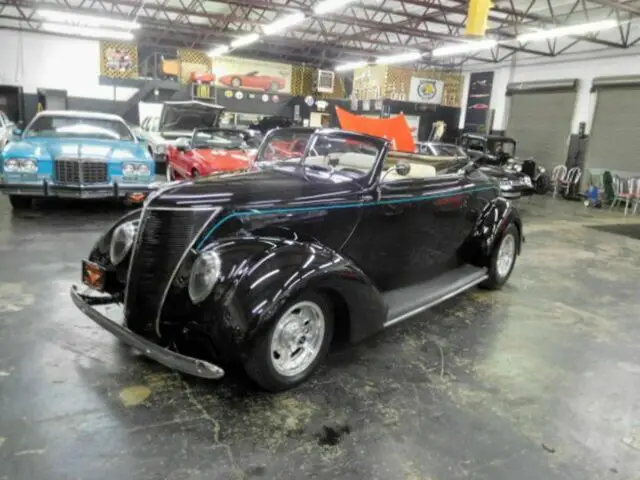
point(44, 148)
point(268, 188)
point(226, 160)
point(395, 129)
point(187, 116)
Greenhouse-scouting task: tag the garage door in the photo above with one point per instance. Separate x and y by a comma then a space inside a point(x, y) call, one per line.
point(541, 124)
point(614, 140)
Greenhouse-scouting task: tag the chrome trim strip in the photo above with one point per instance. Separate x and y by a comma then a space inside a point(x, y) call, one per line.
point(196, 237)
point(181, 209)
point(429, 305)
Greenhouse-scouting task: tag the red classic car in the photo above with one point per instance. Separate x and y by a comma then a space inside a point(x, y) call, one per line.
point(253, 80)
point(479, 106)
point(202, 77)
point(210, 151)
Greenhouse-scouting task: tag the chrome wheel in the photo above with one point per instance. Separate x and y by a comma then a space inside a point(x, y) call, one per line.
point(297, 338)
point(506, 255)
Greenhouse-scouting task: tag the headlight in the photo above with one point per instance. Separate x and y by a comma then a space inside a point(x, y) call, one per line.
point(21, 165)
point(122, 240)
point(204, 275)
point(135, 169)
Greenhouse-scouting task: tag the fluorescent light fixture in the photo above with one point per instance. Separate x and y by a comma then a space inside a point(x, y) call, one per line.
point(350, 66)
point(328, 6)
point(245, 40)
point(464, 48)
point(86, 31)
point(218, 51)
point(580, 29)
point(86, 20)
point(400, 58)
point(283, 23)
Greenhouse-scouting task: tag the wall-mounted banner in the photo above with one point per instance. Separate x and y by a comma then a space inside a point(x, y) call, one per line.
point(478, 102)
point(426, 90)
point(252, 75)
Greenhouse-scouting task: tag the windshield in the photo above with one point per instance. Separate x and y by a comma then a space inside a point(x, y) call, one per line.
point(497, 147)
point(331, 154)
point(73, 127)
point(223, 139)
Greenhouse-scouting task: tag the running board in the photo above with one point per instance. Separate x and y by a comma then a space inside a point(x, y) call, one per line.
point(408, 301)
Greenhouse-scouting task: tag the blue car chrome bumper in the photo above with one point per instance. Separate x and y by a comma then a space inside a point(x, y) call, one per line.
point(47, 189)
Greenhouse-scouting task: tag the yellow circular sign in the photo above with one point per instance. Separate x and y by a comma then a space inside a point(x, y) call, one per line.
point(427, 89)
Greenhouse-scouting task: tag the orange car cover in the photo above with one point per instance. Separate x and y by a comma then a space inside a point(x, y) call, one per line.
point(395, 129)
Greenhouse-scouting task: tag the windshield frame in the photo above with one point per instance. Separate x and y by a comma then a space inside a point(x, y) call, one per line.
point(25, 133)
point(381, 145)
point(238, 132)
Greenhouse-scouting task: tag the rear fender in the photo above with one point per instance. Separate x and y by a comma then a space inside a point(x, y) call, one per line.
point(488, 230)
point(261, 274)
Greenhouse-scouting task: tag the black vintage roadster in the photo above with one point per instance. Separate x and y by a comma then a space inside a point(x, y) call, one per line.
point(267, 269)
point(496, 153)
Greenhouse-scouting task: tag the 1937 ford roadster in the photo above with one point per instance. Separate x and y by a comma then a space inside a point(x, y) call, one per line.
point(268, 268)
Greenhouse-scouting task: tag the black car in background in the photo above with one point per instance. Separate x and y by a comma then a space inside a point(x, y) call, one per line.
point(499, 152)
point(268, 269)
point(513, 184)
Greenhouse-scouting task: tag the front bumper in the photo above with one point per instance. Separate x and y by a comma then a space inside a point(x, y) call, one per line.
point(182, 363)
point(46, 189)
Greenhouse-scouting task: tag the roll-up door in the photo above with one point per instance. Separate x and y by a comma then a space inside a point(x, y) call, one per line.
point(540, 121)
point(614, 139)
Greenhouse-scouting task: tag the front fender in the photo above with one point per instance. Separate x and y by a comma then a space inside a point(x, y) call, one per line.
point(261, 275)
point(491, 223)
point(100, 254)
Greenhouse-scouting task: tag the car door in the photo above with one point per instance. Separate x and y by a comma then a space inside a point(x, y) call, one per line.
point(413, 230)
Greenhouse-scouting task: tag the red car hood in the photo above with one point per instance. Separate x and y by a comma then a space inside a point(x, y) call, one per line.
point(226, 160)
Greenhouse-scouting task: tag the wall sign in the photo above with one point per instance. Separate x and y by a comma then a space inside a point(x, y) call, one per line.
point(426, 90)
point(478, 101)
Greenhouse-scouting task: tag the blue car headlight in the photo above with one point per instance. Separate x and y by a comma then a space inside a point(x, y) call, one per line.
point(21, 165)
point(135, 169)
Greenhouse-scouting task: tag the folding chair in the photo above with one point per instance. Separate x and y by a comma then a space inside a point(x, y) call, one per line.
point(625, 191)
point(557, 175)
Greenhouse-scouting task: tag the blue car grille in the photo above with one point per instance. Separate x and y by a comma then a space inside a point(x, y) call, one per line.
point(163, 237)
point(79, 172)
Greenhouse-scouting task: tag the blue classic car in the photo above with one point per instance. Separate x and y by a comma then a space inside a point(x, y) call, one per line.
point(78, 155)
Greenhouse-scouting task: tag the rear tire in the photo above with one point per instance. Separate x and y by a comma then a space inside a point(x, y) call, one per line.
point(295, 345)
point(503, 259)
point(20, 202)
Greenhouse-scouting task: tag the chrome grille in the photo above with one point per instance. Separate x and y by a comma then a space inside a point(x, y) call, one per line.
point(81, 172)
point(163, 237)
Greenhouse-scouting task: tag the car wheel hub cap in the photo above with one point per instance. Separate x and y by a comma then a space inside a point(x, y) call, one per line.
point(297, 339)
point(506, 255)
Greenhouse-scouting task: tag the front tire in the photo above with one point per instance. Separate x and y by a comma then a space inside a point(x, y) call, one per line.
point(295, 345)
point(20, 202)
point(503, 259)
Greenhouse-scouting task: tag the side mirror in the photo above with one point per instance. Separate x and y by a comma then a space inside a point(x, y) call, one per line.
point(182, 144)
point(403, 168)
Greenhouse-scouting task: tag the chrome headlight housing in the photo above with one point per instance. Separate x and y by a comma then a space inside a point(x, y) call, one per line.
point(204, 275)
point(122, 241)
point(21, 165)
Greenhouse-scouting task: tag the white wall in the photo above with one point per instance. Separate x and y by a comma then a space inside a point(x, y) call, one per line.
point(583, 66)
point(33, 61)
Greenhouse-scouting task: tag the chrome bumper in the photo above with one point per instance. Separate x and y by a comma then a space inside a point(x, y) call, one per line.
point(182, 363)
point(46, 189)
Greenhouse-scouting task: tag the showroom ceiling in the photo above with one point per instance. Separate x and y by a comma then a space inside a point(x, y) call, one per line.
point(357, 31)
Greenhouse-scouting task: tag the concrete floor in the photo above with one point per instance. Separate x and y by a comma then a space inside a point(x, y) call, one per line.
point(538, 381)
